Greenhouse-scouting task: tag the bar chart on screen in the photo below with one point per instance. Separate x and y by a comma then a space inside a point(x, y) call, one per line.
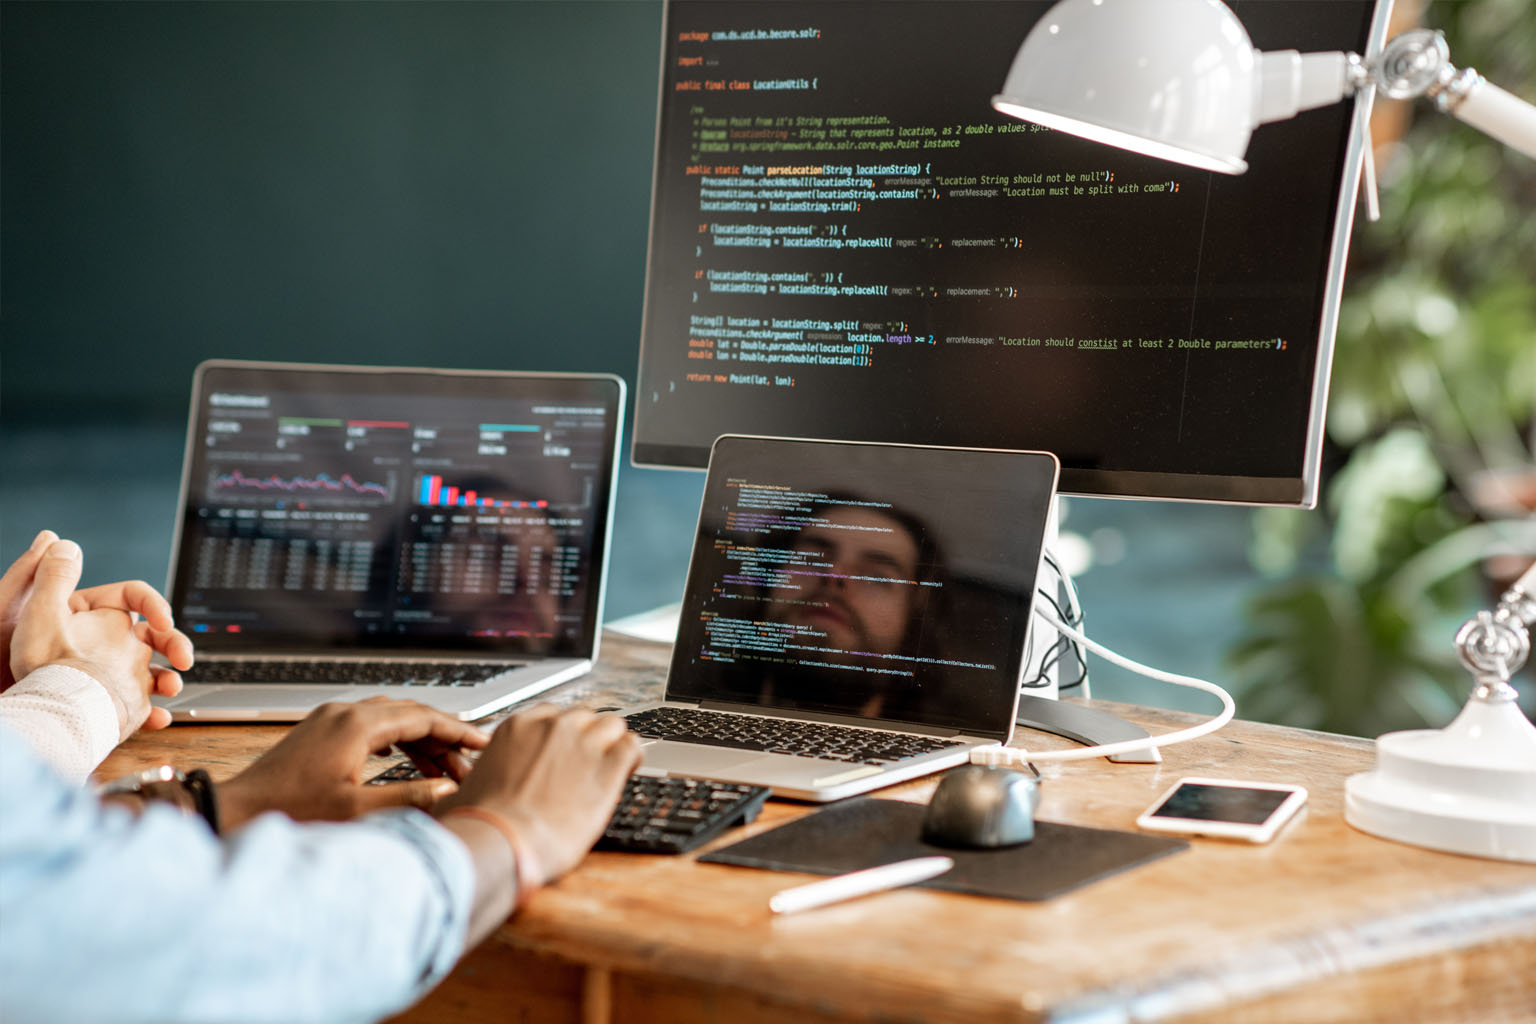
point(433, 492)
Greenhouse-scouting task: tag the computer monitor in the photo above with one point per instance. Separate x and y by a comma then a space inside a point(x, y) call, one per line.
point(847, 242)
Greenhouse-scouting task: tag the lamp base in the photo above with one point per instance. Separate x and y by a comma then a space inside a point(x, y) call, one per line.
point(1468, 788)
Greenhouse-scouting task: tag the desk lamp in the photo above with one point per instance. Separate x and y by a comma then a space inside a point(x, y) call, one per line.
point(1470, 787)
point(1180, 80)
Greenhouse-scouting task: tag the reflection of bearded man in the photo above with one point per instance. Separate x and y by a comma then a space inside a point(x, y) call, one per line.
point(861, 588)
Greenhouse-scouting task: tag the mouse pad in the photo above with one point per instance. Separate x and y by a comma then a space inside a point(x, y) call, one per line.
point(866, 831)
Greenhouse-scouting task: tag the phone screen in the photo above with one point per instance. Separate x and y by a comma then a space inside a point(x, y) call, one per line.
point(1201, 801)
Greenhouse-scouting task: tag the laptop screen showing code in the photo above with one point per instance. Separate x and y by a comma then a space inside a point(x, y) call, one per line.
point(887, 582)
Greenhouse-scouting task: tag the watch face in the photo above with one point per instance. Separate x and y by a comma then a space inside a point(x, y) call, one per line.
point(159, 783)
point(135, 782)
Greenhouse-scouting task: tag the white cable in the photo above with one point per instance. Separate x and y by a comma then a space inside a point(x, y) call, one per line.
point(1075, 610)
point(1014, 755)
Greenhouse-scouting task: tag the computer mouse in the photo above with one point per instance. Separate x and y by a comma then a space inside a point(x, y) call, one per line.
point(982, 807)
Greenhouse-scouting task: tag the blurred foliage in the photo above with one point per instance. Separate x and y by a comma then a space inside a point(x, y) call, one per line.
point(1429, 422)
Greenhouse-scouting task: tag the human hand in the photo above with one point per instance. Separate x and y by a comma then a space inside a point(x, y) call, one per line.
point(14, 587)
point(556, 777)
point(94, 630)
point(315, 773)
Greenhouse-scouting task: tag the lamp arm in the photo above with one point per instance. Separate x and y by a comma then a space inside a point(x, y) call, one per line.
point(1494, 645)
point(1418, 63)
point(1414, 64)
point(1519, 601)
point(1493, 111)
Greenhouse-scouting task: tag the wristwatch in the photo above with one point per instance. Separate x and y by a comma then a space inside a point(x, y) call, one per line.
point(191, 791)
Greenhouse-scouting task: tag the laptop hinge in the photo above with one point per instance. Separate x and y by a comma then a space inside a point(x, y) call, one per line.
point(818, 716)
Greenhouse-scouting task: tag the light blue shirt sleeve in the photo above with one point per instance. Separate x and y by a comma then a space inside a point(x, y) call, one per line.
point(109, 916)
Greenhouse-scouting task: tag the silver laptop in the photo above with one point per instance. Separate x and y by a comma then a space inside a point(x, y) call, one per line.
point(855, 614)
point(348, 532)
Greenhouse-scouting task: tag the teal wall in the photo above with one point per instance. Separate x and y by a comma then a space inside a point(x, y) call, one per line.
point(454, 184)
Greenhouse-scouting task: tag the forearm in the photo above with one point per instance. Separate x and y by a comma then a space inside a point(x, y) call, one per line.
point(495, 876)
point(494, 863)
point(279, 922)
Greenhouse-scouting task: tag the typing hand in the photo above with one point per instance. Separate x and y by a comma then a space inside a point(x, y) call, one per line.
point(93, 630)
point(555, 777)
point(316, 772)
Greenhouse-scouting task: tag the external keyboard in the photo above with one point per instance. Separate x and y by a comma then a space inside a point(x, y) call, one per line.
point(360, 673)
point(673, 814)
point(676, 813)
point(783, 735)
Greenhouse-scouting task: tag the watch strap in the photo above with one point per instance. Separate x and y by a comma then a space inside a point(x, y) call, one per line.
point(204, 797)
point(192, 791)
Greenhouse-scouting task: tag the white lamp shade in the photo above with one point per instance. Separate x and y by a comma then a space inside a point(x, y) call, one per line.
point(1176, 79)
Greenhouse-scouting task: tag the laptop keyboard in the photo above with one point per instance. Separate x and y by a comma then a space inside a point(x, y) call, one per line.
point(360, 673)
point(783, 736)
point(674, 814)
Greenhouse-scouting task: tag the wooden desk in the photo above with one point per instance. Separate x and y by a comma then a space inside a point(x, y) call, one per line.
point(1325, 924)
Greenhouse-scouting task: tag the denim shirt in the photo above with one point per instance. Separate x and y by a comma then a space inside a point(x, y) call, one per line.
point(110, 916)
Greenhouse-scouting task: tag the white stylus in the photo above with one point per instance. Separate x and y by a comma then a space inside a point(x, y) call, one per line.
point(858, 883)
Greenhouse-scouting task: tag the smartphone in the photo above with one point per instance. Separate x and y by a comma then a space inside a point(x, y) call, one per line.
point(1225, 808)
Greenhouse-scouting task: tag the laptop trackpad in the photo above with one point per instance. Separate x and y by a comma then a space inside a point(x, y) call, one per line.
point(690, 759)
point(263, 695)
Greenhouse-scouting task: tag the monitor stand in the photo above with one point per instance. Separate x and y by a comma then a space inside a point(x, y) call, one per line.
point(658, 624)
point(1088, 726)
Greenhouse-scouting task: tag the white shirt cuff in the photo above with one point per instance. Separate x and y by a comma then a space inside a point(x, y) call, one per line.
point(66, 715)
